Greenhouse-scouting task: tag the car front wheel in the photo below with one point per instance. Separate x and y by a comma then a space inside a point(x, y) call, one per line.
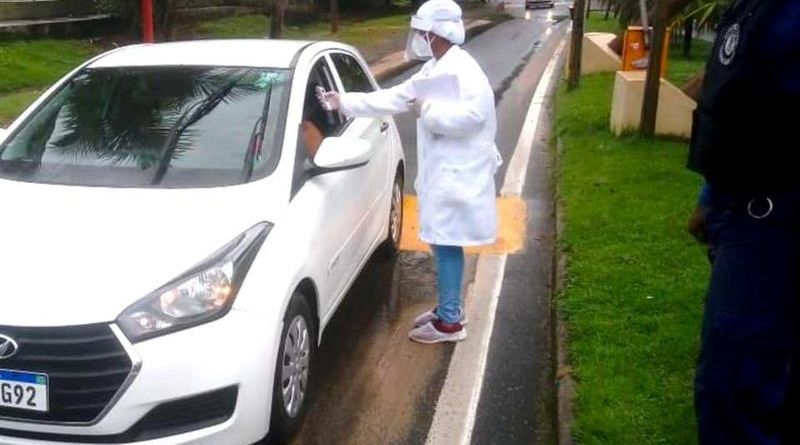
point(293, 371)
point(392, 244)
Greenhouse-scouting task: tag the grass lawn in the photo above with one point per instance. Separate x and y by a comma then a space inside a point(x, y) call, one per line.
point(38, 63)
point(680, 69)
point(634, 292)
point(12, 104)
point(597, 23)
point(635, 280)
point(356, 33)
point(28, 66)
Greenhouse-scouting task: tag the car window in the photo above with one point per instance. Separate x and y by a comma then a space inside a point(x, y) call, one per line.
point(318, 123)
point(330, 123)
point(153, 127)
point(352, 74)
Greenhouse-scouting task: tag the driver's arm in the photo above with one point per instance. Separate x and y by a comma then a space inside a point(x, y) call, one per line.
point(312, 137)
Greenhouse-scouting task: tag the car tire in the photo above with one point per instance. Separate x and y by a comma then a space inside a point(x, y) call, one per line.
point(293, 370)
point(394, 233)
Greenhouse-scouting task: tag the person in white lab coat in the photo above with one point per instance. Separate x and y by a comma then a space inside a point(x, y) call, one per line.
point(456, 156)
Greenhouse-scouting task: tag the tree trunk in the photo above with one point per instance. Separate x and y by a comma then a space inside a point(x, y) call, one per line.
point(576, 45)
point(334, 16)
point(276, 22)
point(588, 8)
point(161, 14)
point(608, 9)
point(688, 30)
point(647, 125)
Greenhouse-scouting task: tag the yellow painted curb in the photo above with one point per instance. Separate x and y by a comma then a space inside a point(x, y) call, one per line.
point(512, 215)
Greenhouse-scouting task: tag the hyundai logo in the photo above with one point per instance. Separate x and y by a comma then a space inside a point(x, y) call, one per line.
point(8, 347)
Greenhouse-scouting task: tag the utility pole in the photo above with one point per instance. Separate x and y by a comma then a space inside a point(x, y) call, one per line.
point(147, 21)
point(576, 45)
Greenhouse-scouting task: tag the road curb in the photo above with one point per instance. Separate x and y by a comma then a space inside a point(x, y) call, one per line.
point(394, 64)
point(564, 382)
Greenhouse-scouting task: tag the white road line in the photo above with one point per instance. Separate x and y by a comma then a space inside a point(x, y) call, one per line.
point(518, 166)
point(457, 406)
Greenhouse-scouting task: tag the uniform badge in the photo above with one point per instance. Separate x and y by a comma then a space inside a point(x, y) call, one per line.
point(729, 44)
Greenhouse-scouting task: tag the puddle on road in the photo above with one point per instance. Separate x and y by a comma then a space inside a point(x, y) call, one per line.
point(374, 385)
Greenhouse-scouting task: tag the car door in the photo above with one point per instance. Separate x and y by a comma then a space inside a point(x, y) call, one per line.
point(377, 176)
point(332, 199)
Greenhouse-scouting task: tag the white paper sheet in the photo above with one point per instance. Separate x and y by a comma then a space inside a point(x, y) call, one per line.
point(443, 87)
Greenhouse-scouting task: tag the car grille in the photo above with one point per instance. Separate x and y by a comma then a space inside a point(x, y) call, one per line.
point(168, 419)
point(86, 366)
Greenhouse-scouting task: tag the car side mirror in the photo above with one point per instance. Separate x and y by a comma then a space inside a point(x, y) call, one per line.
point(3, 133)
point(342, 153)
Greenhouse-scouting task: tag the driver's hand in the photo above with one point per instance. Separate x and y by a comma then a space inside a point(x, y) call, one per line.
point(330, 100)
point(696, 225)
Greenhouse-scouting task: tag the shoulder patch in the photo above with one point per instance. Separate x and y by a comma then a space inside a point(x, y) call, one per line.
point(730, 42)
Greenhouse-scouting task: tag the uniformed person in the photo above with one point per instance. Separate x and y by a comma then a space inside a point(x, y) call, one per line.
point(746, 145)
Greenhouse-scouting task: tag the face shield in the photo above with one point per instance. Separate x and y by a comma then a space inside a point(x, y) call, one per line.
point(418, 45)
point(435, 19)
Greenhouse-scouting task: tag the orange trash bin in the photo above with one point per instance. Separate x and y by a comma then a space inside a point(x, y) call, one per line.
point(635, 54)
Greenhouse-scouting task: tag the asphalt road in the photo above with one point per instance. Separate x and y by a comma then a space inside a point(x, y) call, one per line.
point(373, 385)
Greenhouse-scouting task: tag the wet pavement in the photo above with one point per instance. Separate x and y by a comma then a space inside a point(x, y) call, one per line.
point(517, 403)
point(373, 385)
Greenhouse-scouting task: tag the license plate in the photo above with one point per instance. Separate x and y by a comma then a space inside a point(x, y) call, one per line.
point(23, 390)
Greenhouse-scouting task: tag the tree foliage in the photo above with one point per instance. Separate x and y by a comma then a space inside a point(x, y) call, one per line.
point(706, 13)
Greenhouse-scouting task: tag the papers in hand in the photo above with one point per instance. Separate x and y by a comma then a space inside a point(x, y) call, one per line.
point(441, 88)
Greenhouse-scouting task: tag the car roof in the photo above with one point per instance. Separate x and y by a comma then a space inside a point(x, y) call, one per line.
point(260, 53)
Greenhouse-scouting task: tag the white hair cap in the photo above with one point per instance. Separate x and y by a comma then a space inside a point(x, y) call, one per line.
point(441, 17)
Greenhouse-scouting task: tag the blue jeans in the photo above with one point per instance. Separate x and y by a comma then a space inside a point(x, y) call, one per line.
point(450, 270)
point(747, 374)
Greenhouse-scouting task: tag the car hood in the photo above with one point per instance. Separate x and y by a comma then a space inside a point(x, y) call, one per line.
point(79, 255)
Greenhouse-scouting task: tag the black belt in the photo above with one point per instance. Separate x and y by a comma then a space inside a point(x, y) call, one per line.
point(761, 205)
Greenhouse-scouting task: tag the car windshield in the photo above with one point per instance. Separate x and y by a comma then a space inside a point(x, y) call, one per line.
point(153, 127)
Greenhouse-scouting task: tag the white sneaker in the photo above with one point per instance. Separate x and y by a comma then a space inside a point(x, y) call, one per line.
point(438, 332)
point(429, 316)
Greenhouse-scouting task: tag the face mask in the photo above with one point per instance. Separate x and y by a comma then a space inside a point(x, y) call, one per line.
point(420, 47)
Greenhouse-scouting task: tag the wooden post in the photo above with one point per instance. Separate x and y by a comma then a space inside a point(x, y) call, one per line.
point(576, 45)
point(652, 85)
point(278, 10)
point(334, 16)
point(147, 21)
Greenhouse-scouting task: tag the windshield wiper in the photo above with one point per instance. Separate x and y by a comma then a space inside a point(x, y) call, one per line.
point(256, 139)
point(194, 113)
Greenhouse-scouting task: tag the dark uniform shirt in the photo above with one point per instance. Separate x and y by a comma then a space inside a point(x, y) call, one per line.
point(745, 136)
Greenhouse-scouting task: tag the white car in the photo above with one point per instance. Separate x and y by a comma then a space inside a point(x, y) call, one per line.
point(171, 255)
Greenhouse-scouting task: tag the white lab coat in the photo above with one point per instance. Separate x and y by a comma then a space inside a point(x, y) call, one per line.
point(456, 153)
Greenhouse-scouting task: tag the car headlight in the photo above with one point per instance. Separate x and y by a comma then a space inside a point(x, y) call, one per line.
point(202, 294)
